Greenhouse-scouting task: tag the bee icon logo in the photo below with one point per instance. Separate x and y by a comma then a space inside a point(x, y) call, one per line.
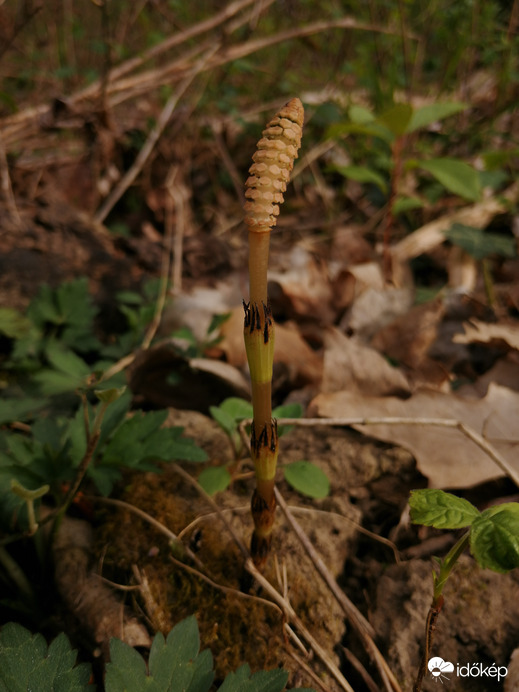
point(438, 667)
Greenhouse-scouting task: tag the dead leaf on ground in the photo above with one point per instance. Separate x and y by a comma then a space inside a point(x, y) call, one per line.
point(353, 366)
point(408, 338)
point(445, 456)
point(374, 308)
point(505, 372)
point(303, 289)
point(481, 332)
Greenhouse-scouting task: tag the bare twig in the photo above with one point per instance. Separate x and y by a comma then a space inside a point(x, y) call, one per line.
point(173, 538)
point(163, 119)
point(466, 430)
point(293, 617)
point(191, 32)
point(225, 589)
point(303, 664)
point(176, 199)
point(192, 481)
point(228, 162)
point(27, 121)
point(354, 616)
point(6, 186)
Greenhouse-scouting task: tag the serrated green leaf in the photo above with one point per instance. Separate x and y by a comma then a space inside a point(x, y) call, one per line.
point(307, 478)
point(129, 297)
point(69, 370)
point(363, 174)
point(214, 479)
point(26, 663)
point(75, 303)
point(494, 537)
point(13, 324)
point(139, 442)
point(456, 176)
point(426, 115)
point(262, 681)
point(397, 118)
point(70, 308)
point(18, 409)
point(434, 507)
point(234, 681)
point(52, 382)
point(171, 661)
point(66, 361)
point(480, 244)
point(43, 307)
point(126, 671)
point(174, 664)
point(114, 416)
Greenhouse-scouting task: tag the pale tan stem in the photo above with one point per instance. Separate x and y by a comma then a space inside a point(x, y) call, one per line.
point(258, 263)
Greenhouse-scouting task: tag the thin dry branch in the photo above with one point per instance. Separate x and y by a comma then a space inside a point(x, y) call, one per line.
point(292, 616)
point(466, 430)
point(163, 119)
point(173, 538)
point(5, 184)
point(13, 122)
point(354, 616)
point(22, 124)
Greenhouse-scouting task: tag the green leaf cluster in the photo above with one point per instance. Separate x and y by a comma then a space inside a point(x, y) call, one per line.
point(371, 141)
point(493, 533)
point(56, 446)
point(175, 663)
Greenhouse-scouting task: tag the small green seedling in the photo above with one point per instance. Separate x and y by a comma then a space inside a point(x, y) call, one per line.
point(492, 535)
point(304, 476)
point(189, 346)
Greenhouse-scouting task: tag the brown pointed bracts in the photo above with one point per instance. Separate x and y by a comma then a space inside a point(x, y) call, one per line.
point(269, 175)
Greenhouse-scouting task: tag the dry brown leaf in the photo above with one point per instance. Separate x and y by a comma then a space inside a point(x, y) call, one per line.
point(482, 332)
point(505, 372)
point(353, 366)
point(409, 337)
point(304, 286)
point(303, 364)
point(374, 308)
point(445, 456)
point(231, 342)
